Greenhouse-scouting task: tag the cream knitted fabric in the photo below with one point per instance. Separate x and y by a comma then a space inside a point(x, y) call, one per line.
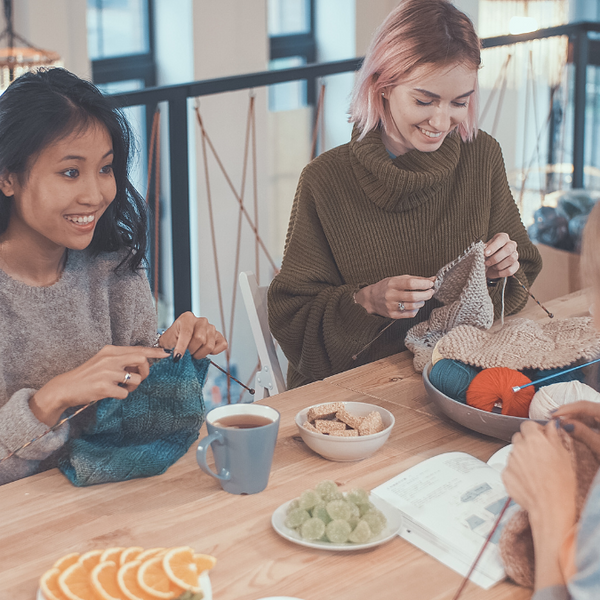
point(462, 287)
point(524, 344)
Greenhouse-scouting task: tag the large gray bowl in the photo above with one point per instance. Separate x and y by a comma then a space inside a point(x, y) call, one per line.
point(492, 424)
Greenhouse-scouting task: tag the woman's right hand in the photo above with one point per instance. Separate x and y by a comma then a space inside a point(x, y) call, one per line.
point(105, 375)
point(398, 297)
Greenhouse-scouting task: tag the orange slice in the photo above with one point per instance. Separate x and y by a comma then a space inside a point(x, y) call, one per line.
point(104, 580)
point(66, 561)
point(90, 559)
point(204, 562)
point(153, 579)
point(150, 553)
point(113, 554)
point(180, 567)
point(130, 554)
point(49, 585)
point(128, 583)
point(74, 582)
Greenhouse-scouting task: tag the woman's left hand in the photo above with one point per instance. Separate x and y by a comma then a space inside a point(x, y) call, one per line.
point(195, 334)
point(501, 257)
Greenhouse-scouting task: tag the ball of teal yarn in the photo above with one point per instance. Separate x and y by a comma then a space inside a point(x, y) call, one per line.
point(452, 377)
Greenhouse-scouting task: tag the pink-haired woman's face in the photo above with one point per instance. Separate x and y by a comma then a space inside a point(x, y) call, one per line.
point(424, 109)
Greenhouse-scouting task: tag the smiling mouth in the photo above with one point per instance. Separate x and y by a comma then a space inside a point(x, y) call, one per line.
point(80, 219)
point(430, 134)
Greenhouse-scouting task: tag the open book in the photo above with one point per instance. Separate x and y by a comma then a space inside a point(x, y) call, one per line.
point(449, 505)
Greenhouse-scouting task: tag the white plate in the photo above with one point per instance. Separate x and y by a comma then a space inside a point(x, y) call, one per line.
point(203, 580)
point(393, 516)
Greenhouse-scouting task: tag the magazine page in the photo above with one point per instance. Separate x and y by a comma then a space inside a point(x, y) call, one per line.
point(449, 505)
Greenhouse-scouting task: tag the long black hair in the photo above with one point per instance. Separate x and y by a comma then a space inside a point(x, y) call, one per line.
point(40, 108)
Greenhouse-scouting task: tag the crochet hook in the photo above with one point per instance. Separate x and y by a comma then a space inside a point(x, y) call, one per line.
point(520, 387)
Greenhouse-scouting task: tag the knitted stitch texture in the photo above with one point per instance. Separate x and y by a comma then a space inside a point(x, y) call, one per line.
point(462, 287)
point(144, 434)
point(524, 344)
point(359, 217)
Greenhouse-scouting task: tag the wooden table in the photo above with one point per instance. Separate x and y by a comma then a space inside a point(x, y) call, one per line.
point(44, 517)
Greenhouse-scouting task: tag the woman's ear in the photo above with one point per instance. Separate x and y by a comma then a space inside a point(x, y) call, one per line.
point(7, 184)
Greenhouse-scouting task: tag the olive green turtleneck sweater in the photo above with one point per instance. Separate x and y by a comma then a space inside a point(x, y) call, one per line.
point(359, 217)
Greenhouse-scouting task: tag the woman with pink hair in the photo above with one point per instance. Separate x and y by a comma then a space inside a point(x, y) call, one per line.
point(375, 219)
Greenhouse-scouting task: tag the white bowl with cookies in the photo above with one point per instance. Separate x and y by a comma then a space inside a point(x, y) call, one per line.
point(345, 431)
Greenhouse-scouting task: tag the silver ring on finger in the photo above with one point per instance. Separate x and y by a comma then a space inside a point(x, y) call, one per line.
point(126, 378)
point(401, 306)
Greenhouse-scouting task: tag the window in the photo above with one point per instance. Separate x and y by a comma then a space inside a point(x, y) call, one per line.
point(121, 41)
point(292, 44)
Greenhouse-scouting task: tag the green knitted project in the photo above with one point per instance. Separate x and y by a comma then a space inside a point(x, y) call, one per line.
point(144, 434)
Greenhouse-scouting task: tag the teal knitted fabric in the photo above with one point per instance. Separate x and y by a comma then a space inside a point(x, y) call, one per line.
point(144, 434)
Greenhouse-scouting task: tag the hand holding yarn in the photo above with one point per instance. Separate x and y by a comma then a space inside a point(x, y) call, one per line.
point(398, 297)
point(502, 258)
point(584, 418)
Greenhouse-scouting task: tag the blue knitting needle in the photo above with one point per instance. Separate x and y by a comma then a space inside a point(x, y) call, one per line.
point(516, 388)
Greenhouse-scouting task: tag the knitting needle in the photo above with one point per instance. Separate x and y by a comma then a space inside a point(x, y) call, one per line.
point(538, 302)
point(489, 537)
point(520, 387)
point(250, 390)
point(82, 408)
point(355, 356)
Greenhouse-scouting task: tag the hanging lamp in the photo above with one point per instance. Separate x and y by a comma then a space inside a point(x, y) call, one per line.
point(18, 59)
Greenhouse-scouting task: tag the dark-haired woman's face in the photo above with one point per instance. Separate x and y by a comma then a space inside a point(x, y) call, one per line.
point(67, 190)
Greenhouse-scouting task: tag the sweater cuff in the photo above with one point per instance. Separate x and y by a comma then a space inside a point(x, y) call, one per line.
point(18, 425)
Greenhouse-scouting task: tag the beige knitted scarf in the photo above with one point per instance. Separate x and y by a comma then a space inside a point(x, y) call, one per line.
point(462, 287)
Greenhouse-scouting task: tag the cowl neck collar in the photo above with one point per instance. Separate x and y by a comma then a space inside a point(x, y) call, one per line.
point(402, 183)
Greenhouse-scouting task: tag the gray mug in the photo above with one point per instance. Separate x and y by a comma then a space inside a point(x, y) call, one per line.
point(242, 438)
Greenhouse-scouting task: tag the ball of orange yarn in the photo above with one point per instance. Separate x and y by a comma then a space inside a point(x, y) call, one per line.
point(494, 386)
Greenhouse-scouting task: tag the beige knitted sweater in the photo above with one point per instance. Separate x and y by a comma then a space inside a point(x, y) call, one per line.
point(358, 217)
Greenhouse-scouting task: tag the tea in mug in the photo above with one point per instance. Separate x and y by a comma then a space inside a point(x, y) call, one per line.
point(242, 421)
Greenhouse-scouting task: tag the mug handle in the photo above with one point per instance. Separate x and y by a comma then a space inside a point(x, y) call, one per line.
point(203, 446)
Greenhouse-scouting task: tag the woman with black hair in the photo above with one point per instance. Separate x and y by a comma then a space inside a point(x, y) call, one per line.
point(76, 313)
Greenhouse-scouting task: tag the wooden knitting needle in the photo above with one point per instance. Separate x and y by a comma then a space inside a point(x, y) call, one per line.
point(538, 302)
point(487, 540)
point(516, 388)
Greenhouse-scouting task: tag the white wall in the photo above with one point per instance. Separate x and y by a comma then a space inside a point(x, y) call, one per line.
point(58, 25)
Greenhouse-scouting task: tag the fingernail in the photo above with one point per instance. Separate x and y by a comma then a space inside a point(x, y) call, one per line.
point(553, 411)
point(568, 427)
point(168, 350)
point(557, 422)
point(177, 357)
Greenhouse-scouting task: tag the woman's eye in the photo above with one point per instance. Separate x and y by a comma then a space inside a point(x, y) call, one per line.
point(421, 103)
point(460, 104)
point(71, 173)
point(107, 169)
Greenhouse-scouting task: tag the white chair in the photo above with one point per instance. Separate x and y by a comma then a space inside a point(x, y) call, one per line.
point(269, 380)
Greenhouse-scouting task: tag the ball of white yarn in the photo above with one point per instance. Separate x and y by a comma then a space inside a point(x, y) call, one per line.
point(550, 397)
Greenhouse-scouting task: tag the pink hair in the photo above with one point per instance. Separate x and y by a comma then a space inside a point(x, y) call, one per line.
point(416, 33)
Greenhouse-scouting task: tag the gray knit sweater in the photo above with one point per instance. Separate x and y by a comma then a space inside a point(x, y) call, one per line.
point(47, 331)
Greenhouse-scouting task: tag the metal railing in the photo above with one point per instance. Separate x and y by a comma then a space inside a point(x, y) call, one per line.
point(584, 51)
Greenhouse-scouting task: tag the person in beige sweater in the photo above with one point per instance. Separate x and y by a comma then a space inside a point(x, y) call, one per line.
point(375, 219)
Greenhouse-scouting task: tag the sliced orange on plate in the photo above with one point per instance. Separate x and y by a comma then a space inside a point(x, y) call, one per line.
point(113, 554)
point(128, 582)
point(75, 584)
point(66, 561)
point(154, 580)
point(90, 559)
point(49, 585)
point(104, 581)
point(130, 554)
